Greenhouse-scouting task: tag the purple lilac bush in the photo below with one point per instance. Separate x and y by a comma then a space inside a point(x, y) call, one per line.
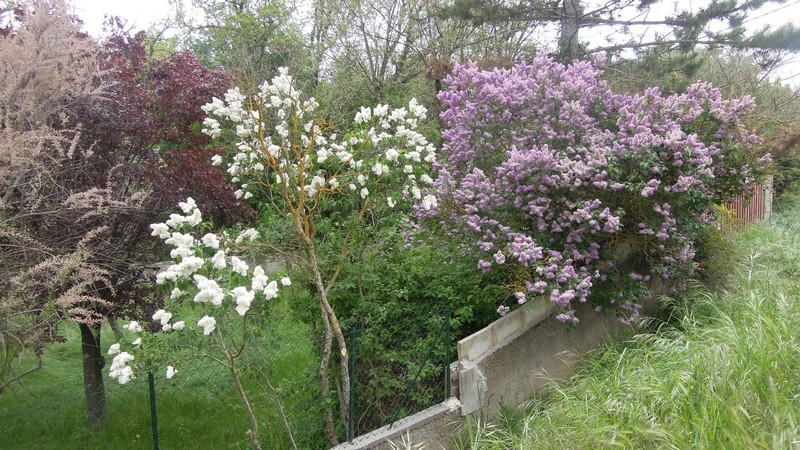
point(553, 176)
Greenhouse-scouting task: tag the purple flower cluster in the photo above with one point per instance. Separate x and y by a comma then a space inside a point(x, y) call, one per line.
point(549, 172)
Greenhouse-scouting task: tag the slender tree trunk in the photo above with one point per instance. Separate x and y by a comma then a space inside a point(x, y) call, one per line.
point(333, 330)
point(330, 426)
point(252, 433)
point(114, 324)
point(93, 363)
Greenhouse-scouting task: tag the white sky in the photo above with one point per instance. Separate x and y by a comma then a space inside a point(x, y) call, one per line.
point(141, 14)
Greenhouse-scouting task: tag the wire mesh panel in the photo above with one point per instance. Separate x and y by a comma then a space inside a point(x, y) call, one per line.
point(401, 367)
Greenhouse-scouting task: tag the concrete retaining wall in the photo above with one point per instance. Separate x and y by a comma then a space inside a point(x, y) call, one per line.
point(499, 366)
point(433, 426)
point(502, 365)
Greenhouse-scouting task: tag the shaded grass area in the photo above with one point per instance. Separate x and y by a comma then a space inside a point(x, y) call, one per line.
point(723, 372)
point(198, 408)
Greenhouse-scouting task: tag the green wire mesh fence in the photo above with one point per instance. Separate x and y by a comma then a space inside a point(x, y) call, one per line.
point(400, 365)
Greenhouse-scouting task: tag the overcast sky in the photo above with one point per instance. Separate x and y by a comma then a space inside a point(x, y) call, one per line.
point(141, 14)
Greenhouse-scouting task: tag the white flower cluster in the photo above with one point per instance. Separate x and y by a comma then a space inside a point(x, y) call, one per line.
point(295, 154)
point(209, 290)
point(211, 280)
point(120, 370)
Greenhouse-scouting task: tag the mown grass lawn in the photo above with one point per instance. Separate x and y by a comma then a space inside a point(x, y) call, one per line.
point(198, 408)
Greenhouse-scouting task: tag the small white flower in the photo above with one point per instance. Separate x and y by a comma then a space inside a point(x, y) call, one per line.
point(216, 160)
point(120, 369)
point(381, 110)
point(169, 275)
point(219, 260)
point(133, 326)
point(188, 266)
point(137, 342)
point(160, 230)
point(417, 109)
point(188, 206)
point(125, 375)
point(171, 372)
point(499, 257)
point(391, 202)
point(364, 115)
point(195, 218)
point(364, 192)
point(114, 349)
point(286, 281)
point(271, 291)
point(259, 279)
point(211, 240)
point(250, 234)
point(175, 294)
point(243, 298)
point(429, 202)
point(208, 323)
point(380, 169)
point(322, 155)
point(180, 240)
point(239, 266)
point(182, 252)
point(179, 325)
point(162, 316)
point(209, 291)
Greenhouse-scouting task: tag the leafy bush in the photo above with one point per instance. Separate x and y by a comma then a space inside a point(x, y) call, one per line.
point(395, 293)
point(557, 179)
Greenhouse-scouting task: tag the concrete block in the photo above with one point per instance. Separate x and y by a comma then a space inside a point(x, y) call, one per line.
point(504, 330)
point(472, 387)
point(436, 423)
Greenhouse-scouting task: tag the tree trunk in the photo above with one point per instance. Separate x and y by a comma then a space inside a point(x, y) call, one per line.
point(114, 324)
point(568, 43)
point(333, 331)
point(93, 363)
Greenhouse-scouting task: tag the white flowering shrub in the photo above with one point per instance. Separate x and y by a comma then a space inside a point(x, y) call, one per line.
point(208, 288)
point(291, 163)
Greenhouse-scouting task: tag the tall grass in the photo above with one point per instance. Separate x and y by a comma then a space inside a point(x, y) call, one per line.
point(724, 373)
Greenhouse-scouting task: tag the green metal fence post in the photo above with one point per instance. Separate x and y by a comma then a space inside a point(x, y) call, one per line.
point(153, 418)
point(447, 374)
point(352, 406)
